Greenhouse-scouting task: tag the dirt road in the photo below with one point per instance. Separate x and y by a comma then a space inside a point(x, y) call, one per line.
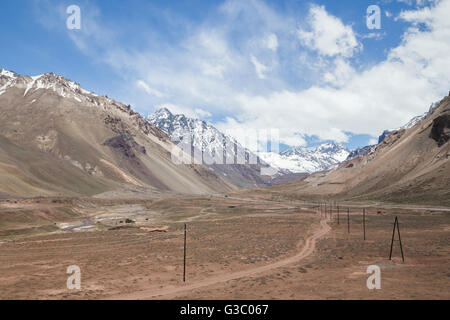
point(173, 291)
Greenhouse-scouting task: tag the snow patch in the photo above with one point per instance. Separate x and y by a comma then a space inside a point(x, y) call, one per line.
point(6, 86)
point(7, 73)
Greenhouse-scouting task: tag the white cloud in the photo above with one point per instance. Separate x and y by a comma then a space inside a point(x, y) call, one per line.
point(209, 69)
point(207, 65)
point(272, 42)
point(202, 114)
point(212, 68)
point(341, 74)
point(416, 73)
point(418, 3)
point(196, 113)
point(141, 84)
point(424, 15)
point(260, 69)
point(328, 35)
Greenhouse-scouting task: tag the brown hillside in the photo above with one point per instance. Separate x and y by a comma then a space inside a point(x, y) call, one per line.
point(410, 166)
point(58, 139)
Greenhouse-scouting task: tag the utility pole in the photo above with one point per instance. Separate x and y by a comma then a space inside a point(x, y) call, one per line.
point(399, 239)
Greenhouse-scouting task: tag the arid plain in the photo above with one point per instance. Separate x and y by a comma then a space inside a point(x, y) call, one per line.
point(238, 247)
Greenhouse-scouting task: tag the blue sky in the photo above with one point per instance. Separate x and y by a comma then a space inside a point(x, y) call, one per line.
point(311, 69)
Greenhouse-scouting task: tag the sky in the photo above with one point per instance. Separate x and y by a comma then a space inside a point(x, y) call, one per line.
point(311, 69)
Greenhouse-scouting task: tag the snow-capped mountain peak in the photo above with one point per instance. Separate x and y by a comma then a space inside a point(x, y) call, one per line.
point(7, 73)
point(204, 136)
point(50, 81)
point(207, 138)
point(308, 159)
point(223, 153)
point(330, 148)
point(162, 113)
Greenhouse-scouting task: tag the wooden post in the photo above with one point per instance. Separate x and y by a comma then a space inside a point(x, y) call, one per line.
point(184, 264)
point(399, 239)
point(392, 240)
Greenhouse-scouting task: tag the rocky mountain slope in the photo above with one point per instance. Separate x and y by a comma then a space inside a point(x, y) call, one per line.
point(308, 160)
point(410, 166)
point(219, 151)
point(289, 165)
point(58, 139)
point(359, 152)
point(411, 123)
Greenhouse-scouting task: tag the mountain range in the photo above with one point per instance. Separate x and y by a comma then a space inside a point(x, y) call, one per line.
point(58, 139)
point(207, 138)
point(308, 159)
point(289, 163)
point(411, 165)
point(218, 151)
